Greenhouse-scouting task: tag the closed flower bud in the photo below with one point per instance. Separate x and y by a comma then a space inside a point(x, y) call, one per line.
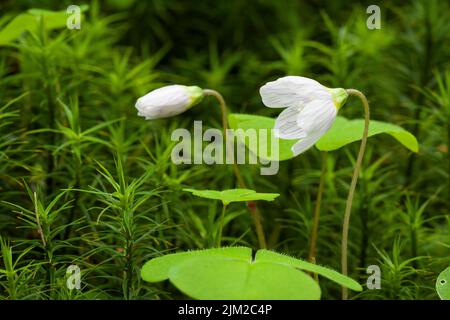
point(168, 101)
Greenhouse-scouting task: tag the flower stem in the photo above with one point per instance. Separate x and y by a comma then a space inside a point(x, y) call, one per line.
point(221, 222)
point(315, 227)
point(223, 106)
point(351, 192)
point(256, 214)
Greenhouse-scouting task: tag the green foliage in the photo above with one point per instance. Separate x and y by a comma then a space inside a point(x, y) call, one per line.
point(346, 131)
point(270, 256)
point(342, 132)
point(230, 273)
point(15, 278)
point(233, 195)
point(246, 122)
point(158, 269)
point(30, 21)
point(443, 285)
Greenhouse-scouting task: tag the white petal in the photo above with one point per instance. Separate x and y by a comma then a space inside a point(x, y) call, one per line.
point(292, 91)
point(164, 102)
point(286, 124)
point(317, 116)
point(315, 119)
point(305, 144)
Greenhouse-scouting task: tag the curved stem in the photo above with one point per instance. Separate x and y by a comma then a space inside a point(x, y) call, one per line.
point(223, 106)
point(222, 219)
point(351, 192)
point(315, 227)
point(251, 204)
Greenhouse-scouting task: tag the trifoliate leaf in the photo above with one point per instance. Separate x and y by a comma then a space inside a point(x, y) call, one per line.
point(158, 269)
point(221, 278)
point(266, 255)
point(264, 136)
point(443, 284)
point(342, 132)
point(233, 195)
point(346, 131)
point(231, 273)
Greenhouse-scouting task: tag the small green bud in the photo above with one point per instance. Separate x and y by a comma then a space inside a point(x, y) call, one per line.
point(195, 94)
point(339, 97)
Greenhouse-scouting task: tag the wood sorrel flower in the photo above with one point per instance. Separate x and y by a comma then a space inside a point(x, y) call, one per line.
point(311, 109)
point(168, 101)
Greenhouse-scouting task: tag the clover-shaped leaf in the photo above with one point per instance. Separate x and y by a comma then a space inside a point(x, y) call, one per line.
point(231, 273)
point(264, 137)
point(158, 269)
point(443, 284)
point(233, 195)
point(342, 132)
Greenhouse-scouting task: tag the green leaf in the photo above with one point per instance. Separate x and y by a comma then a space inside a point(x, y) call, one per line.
point(157, 269)
point(342, 132)
point(220, 278)
point(346, 131)
point(264, 125)
point(266, 255)
point(443, 284)
point(29, 21)
point(231, 273)
point(16, 27)
point(233, 195)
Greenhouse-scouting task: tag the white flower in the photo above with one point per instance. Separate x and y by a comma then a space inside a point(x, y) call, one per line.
point(168, 101)
point(311, 109)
